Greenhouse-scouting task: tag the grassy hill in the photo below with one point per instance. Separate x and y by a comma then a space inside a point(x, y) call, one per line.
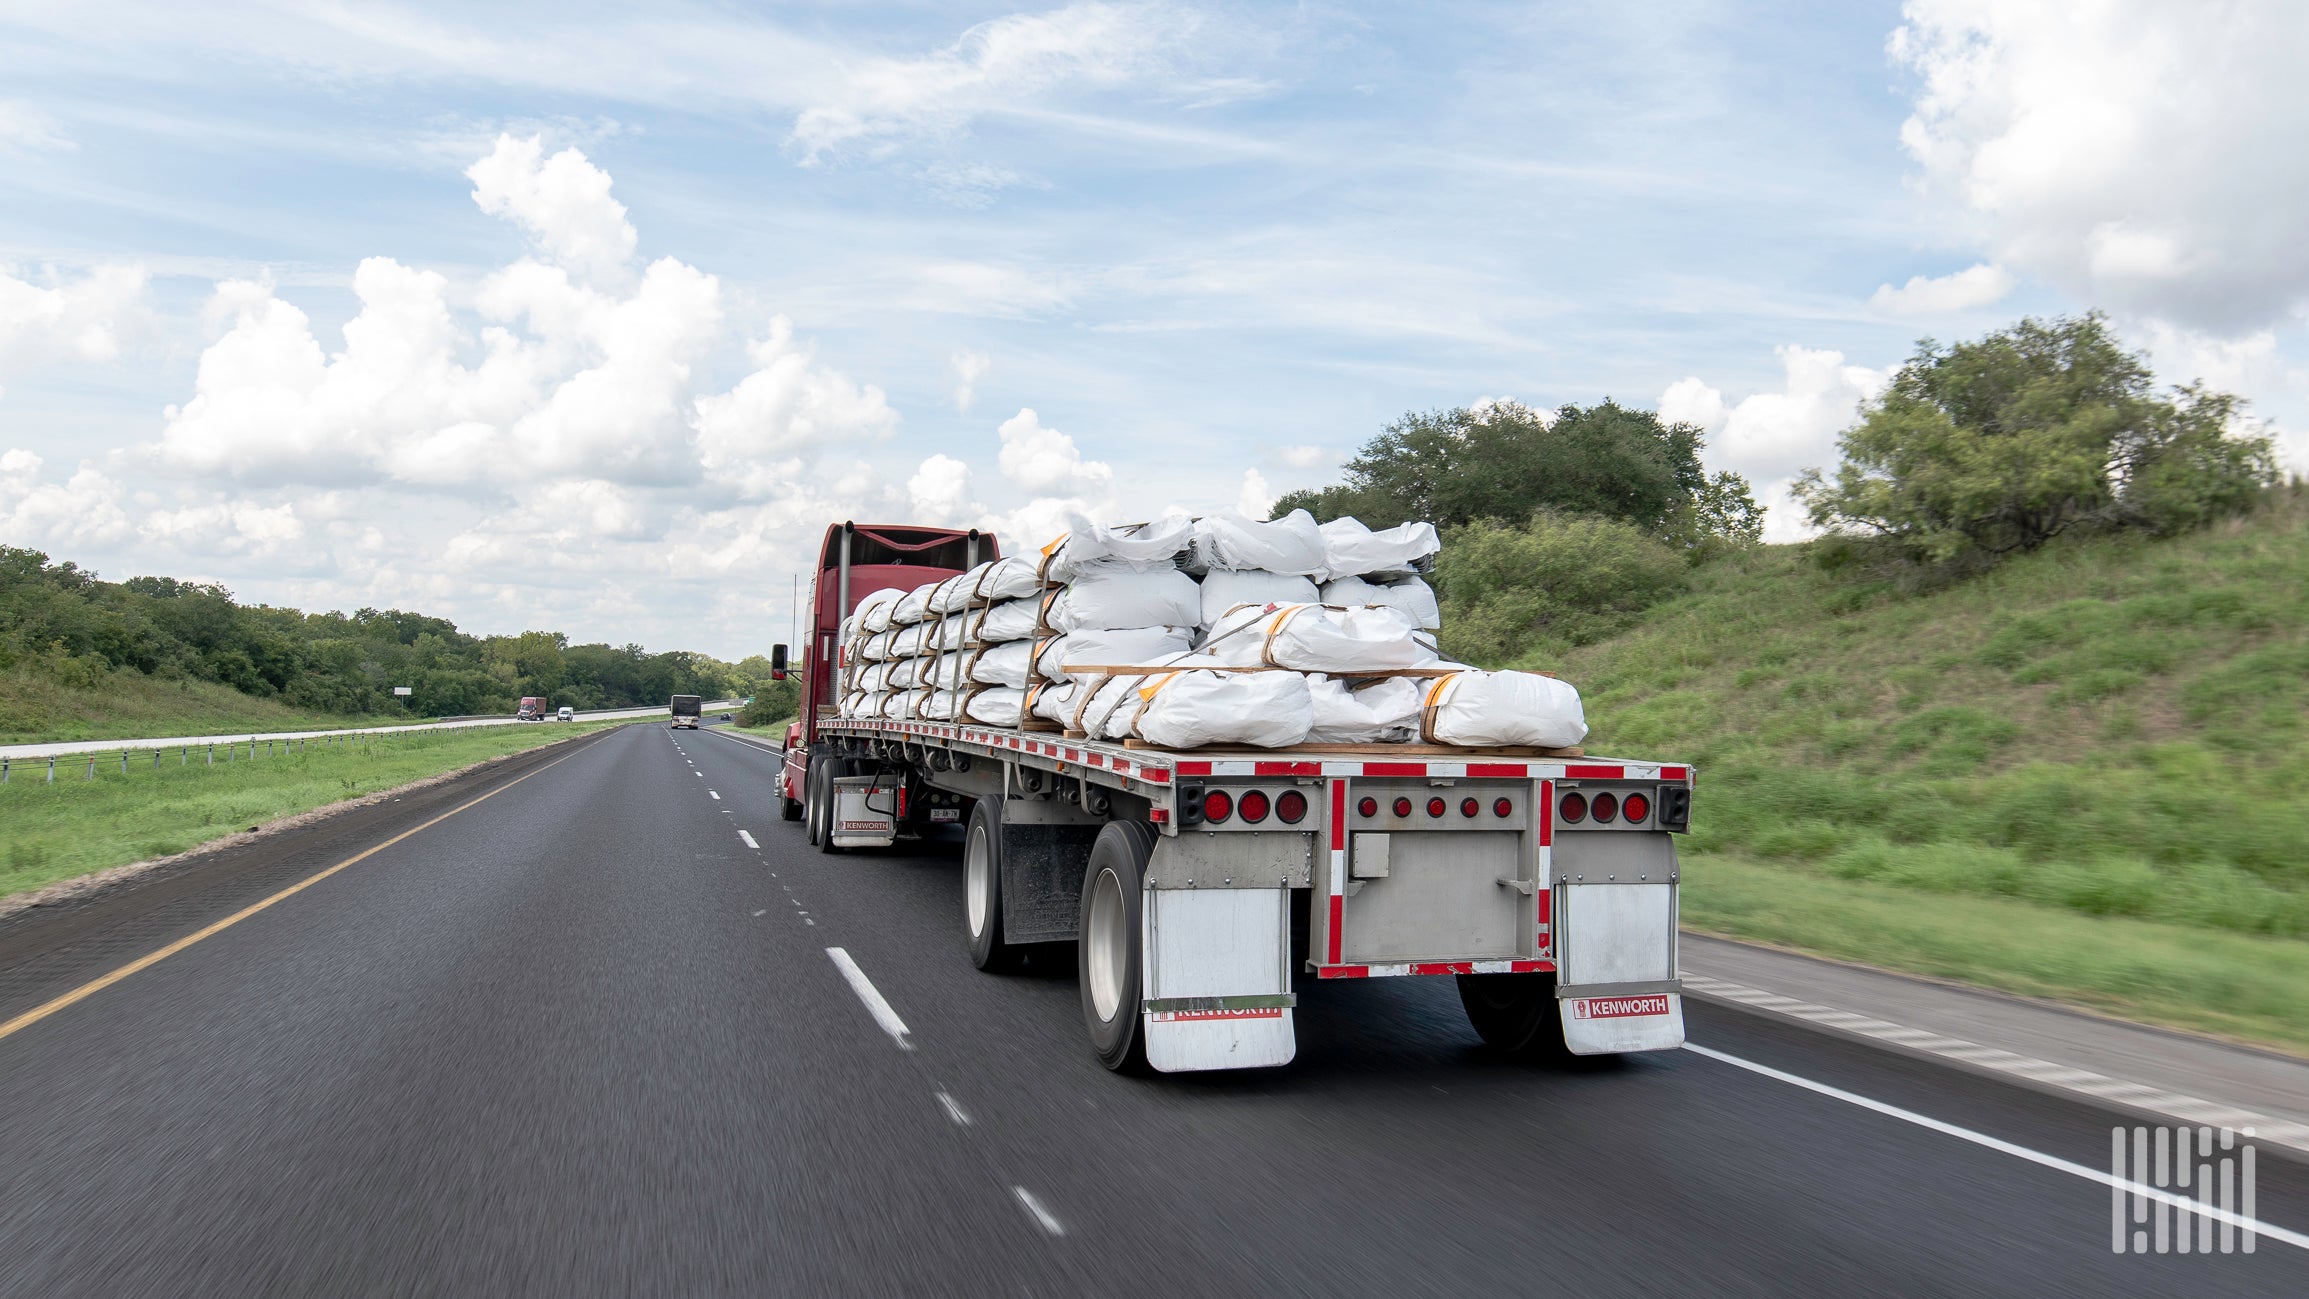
point(2080, 775)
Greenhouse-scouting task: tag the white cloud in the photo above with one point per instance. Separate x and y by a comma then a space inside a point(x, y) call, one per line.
point(997, 66)
point(1045, 460)
point(939, 491)
point(1974, 286)
point(1305, 456)
point(1254, 500)
point(1770, 436)
point(80, 319)
point(969, 368)
point(562, 201)
point(2141, 154)
point(758, 432)
point(24, 127)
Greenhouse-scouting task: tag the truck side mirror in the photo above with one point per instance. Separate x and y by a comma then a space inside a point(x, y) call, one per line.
point(777, 662)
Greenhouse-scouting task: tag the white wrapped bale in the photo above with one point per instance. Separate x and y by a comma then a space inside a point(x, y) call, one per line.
point(874, 611)
point(1052, 701)
point(951, 595)
point(906, 642)
point(1121, 647)
point(877, 647)
point(873, 677)
point(894, 704)
point(1114, 598)
point(1291, 544)
point(1003, 665)
point(1491, 709)
point(1090, 547)
point(900, 674)
point(1411, 596)
point(1192, 710)
point(1011, 578)
point(940, 706)
point(913, 606)
point(1008, 621)
point(1000, 706)
point(1381, 711)
point(1352, 550)
point(946, 672)
point(1318, 638)
point(1223, 589)
point(1107, 713)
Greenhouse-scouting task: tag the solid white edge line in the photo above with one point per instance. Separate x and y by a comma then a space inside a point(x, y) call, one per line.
point(1041, 1215)
point(864, 987)
point(2294, 1238)
point(749, 839)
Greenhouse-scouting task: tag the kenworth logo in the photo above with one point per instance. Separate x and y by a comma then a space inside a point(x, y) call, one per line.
point(1619, 1007)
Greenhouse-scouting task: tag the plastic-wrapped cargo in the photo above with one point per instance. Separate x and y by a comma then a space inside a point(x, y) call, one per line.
point(1193, 710)
point(940, 706)
point(1487, 709)
point(1052, 701)
point(1105, 714)
point(873, 677)
point(877, 647)
point(1088, 547)
point(1003, 665)
point(1318, 638)
point(1012, 577)
point(999, 706)
point(1411, 595)
point(1008, 621)
point(1110, 598)
point(900, 674)
point(1381, 710)
point(1290, 545)
point(906, 641)
point(913, 606)
point(874, 611)
point(1351, 549)
point(1224, 588)
point(894, 704)
point(1117, 647)
point(946, 672)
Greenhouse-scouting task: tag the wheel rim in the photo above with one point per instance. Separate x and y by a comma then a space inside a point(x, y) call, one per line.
point(977, 876)
point(1108, 940)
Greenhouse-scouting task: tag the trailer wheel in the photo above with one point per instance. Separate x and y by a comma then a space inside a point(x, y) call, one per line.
point(820, 795)
point(982, 889)
point(810, 775)
point(1515, 1014)
point(1108, 958)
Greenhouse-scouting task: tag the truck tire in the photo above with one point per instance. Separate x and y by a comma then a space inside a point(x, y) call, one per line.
point(789, 808)
point(1107, 957)
point(828, 768)
point(810, 772)
point(1515, 1014)
point(982, 889)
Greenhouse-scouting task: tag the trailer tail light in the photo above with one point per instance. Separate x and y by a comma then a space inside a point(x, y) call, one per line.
point(1503, 807)
point(1403, 807)
point(1368, 807)
point(1253, 806)
point(1635, 807)
point(1437, 807)
point(1217, 806)
point(1291, 807)
point(1469, 807)
point(1606, 806)
point(1573, 808)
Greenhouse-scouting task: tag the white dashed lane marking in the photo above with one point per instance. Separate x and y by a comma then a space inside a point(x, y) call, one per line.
point(1042, 1216)
point(749, 840)
point(875, 1005)
point(717, 796)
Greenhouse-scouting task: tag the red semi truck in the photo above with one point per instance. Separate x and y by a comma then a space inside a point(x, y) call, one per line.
point(1196, 885)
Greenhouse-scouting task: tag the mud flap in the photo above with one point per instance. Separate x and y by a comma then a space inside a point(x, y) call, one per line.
point(1651, 1021)
point(1217, 979)
point(865, 812)
point(1617, 986)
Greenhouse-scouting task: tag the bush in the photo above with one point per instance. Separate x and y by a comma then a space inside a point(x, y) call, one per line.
point(774, 702)
point(2000, 445)
point(1570, 579)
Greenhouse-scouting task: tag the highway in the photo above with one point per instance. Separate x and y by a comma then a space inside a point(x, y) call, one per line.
point(63, 748)
point(614, 1029)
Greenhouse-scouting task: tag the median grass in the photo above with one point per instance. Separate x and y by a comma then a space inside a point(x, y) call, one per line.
point(79, 824)
point(37, 708)
point(2103, 735)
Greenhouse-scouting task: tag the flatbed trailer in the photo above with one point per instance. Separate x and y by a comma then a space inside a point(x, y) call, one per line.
point(1199, 887)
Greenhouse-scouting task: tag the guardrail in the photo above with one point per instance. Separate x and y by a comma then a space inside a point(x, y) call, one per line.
point(12, 769)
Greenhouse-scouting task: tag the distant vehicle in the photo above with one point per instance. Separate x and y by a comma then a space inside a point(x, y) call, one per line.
point(685, 712)
point(725, 717)
point(532, 709)
point(567, 714)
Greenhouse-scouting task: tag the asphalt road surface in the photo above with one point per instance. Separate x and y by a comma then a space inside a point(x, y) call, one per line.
point(584, 1038)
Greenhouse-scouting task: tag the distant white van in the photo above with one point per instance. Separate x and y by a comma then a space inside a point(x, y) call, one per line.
point(567, 714)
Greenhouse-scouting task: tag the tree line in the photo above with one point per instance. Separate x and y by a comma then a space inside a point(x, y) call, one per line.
point(64, 622)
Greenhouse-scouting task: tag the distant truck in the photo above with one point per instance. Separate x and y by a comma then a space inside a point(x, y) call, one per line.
point(685, 712)
point(533, 709)
point(567, 714)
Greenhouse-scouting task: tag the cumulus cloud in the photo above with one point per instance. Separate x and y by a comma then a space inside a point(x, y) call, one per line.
point(1045, 460)
point(1305, 456)
point(969, 368)
point(65, 319)
point(1772, 436)
point(1255, 499)
point(761, 430)
point(563, 202)
point(1924, 295)
point(2143, 155)
point(939, 491)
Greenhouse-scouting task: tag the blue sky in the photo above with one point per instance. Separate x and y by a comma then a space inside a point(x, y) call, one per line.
point(752, 269)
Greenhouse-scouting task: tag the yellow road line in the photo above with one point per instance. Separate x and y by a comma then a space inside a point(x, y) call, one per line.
point(96, 985)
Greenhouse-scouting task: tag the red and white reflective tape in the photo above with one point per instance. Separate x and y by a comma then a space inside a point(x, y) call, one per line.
point(1338, 912)
point(1413, 968)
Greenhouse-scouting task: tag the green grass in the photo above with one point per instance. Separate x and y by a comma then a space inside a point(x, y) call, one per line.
point(79, 825)
point(2110, 730)
point(127, 705)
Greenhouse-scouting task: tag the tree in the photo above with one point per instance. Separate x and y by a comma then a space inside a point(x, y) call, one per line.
point(1569, 579)
point(1507, 462)
point(2000, 445)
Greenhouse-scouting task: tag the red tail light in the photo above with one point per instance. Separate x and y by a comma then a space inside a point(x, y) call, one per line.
point(1291, 807)
point(1368, 807)
point(1504, 807)
point(1253, 806)
point(1607, 806)
point(1437, 807)
point(1217, 806)
point(1403, 807)
point(1469, 807)
point(1636, 808)
point(1574, 808)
